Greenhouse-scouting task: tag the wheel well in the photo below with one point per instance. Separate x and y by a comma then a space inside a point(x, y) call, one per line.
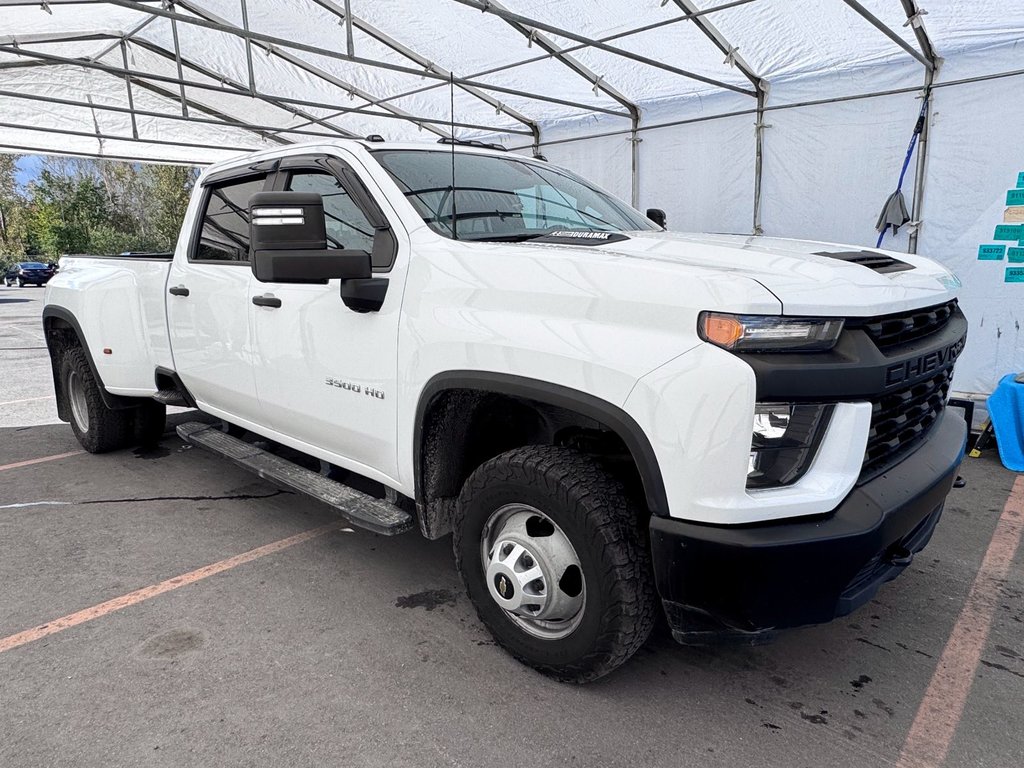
point(461, 428)
point(60, 336)
point(62, 331)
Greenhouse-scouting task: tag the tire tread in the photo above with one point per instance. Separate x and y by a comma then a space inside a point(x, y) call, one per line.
point(579, 483)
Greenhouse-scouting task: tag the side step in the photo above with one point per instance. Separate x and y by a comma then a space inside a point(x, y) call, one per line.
point(360, 509)
point(171, 397)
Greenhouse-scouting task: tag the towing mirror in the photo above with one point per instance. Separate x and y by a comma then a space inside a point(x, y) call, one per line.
point(658, 217)
point(288, 240)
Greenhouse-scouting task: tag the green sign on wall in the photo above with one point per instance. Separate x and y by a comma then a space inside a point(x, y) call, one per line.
point(1008, 232)
point(1015, 255)
point(1014, 275)
point(1020, 180)
point(1015, 197)
point(991, 252)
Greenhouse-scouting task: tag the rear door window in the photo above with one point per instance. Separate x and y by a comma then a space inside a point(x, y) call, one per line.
point(224, 231)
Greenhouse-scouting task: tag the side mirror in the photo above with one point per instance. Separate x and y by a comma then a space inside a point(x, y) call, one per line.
point(288, 241)
point(658, 217)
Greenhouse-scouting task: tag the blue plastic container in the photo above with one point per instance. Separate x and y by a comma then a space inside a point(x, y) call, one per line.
point(1006, 410)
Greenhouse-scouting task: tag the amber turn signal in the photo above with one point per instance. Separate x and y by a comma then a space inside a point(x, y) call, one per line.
point(721, 330)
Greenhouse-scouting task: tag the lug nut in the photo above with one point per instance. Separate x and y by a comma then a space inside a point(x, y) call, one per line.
point(506, 549)
point(527, 561)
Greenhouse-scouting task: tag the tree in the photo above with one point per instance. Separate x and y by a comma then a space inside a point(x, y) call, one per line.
point(14, 234)
point(169, 188)
point(64, 211)
point(95, 206)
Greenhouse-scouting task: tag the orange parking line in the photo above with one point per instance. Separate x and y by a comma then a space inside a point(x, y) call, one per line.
point(27, 462)
point(939, 715)
point(139, 595)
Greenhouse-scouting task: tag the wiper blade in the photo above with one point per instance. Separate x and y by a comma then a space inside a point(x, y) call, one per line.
point(522, 237)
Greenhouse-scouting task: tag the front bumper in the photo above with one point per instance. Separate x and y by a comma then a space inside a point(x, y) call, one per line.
point(746, 581)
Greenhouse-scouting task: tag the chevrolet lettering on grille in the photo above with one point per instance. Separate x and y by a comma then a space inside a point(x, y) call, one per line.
point(916, 367)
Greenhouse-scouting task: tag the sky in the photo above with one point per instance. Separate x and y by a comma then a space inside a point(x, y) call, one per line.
point(28, 168)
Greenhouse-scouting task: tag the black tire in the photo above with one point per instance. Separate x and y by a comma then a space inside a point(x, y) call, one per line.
point(106, 429)
point(150, 421)
point(21, 283)
point(603, 527)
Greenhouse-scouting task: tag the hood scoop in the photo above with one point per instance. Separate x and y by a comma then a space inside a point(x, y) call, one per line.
point(877, 262)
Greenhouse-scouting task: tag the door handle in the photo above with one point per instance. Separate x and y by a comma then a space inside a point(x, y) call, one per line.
point(178, 290)
point(266, 301)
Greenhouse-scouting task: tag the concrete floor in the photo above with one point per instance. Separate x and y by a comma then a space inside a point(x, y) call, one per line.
point(352, 649)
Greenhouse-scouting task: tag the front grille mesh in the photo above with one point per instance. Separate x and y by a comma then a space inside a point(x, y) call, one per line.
point(899, 420)
point(891, 330)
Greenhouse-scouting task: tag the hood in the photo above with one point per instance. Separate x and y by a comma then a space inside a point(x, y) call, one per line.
point(795, 271)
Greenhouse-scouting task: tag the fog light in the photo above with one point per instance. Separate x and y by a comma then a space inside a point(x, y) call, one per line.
point(785, 437)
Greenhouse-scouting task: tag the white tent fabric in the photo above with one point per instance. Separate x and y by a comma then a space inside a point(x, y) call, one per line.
point(657, 100)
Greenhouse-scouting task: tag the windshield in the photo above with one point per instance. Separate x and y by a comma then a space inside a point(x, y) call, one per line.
point(498, 198)
point(32, 265)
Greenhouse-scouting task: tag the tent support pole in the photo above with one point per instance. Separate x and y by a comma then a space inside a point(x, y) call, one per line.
point(101, 137)
point(177, 62)
point(295, 61)
point(634, 152)
point(881, 27)
point(222, 119)
point(398, 47)
point(128, 86)
point(277, 101)
point(349, 44)
point(733, 58)
point(203, 19)
point(928, 50)
point(242, 91)
point(919, 170)
point(564, 51)
point(762, 98)
point(248, 47)
point(493, 7)
point(794, 105)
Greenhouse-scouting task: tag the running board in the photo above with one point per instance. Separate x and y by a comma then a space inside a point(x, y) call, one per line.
point(171, 397)
point(358, 508)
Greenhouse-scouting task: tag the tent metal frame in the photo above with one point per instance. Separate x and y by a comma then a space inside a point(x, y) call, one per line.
point(182, 86)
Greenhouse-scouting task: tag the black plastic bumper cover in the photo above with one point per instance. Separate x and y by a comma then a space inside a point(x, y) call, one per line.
point(746, 581)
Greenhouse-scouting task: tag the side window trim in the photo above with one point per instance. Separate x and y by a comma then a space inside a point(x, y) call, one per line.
point(217, 180)
point(349, 180)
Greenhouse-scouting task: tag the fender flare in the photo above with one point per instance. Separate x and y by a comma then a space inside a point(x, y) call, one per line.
point(112, 401)
point(537, 390)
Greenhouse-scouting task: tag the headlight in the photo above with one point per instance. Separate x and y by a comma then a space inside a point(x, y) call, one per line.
point(769, 333)
point(785, 438)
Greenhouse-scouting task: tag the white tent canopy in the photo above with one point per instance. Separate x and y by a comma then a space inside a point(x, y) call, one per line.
point(787, 117)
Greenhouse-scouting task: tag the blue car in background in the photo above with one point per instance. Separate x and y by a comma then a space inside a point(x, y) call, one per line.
point(28, 273)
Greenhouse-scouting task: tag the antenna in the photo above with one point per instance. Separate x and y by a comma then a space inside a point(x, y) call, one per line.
point(451, 128)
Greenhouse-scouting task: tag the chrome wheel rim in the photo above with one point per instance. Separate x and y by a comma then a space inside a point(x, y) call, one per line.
point(532, 571)
point(76, 396)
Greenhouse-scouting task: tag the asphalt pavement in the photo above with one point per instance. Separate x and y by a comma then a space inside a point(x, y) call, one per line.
point(342, 648)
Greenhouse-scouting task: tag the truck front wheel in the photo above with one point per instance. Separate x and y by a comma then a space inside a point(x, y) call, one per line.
point(550, 551)
point(97, 427)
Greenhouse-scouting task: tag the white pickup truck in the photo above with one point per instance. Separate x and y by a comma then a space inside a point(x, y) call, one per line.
point(749, 432)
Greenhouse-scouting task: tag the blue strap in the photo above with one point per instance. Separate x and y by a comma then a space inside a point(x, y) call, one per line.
point(906, 161)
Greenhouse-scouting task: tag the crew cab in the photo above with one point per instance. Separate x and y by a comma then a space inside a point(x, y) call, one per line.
point(745, 433)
